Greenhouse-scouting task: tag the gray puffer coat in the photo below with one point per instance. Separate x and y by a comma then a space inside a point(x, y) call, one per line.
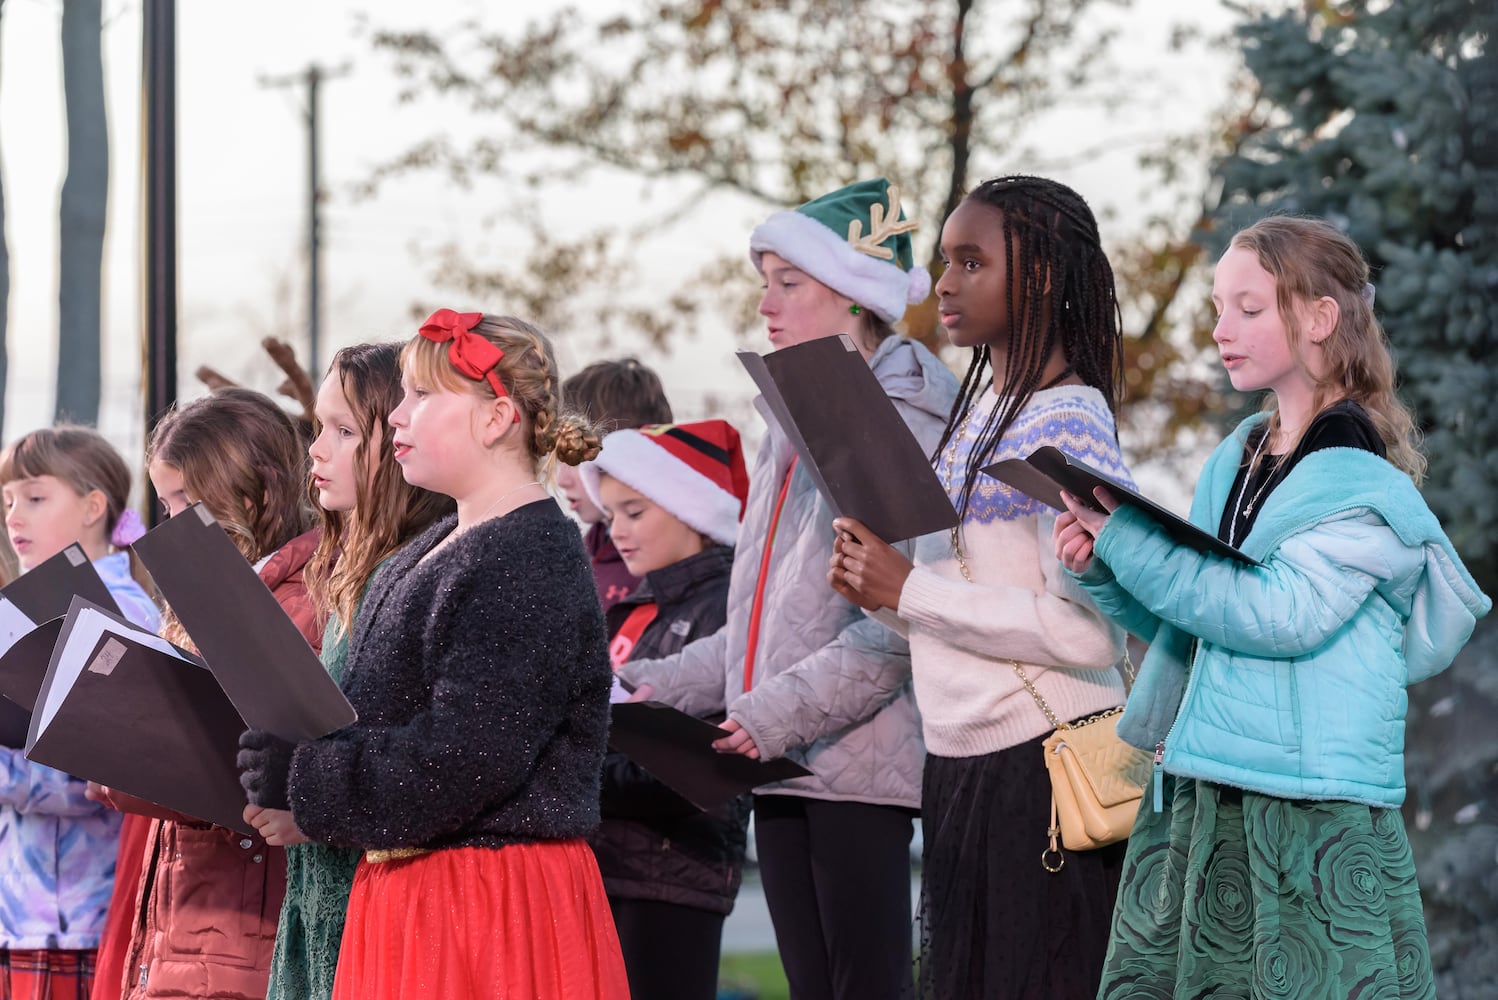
point(830, 686)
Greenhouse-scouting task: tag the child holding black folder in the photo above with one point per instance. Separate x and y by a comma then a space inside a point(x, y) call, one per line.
point(996, 626)
point(1273, 860)
point(368, 512)
point(206, 916)
point(800, 672)
point(60, 853)
point(479, 668)
point(672, 496)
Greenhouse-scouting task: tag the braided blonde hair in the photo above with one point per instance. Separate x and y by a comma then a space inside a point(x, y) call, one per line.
point(529, 374)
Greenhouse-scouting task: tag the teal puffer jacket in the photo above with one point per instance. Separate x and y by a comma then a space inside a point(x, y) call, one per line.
point(1296, 686)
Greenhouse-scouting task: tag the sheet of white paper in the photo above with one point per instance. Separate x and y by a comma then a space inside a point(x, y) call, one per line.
point(89, 627)
point(13, 624)
point(618, 693)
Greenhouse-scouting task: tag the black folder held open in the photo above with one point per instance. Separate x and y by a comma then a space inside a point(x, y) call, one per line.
point(1048, 471)
point(123, 707)
point(850, 438)
point(31, 611)
point(127, 709)
point(257, 654)
point(676, 749)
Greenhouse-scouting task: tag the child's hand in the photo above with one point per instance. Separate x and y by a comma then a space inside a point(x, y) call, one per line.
point(275, 825)
point(1076, 529)
point(738, 740)
point(864, 568)
point(1073, 543)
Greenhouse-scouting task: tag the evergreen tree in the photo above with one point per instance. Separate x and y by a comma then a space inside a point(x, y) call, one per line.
point(1380, 117)
point(1383, 122)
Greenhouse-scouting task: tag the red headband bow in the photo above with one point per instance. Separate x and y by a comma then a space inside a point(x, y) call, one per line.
point(472, 355)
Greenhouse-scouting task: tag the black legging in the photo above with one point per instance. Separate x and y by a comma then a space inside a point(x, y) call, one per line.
point(670, 951)
point(837, 881)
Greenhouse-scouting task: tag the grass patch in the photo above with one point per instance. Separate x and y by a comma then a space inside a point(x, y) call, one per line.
point(753, 974)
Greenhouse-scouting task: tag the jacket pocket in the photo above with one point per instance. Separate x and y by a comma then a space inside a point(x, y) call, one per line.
point(213, 900)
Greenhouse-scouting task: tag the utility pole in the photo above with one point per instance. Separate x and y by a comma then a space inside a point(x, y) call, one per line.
point(312, 78)
point(159, 194)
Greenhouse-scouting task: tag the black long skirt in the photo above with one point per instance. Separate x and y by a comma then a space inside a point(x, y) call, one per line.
point(994, 922)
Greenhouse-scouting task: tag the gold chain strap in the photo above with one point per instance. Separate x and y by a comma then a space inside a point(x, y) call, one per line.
point(967, 575)
point(1051, 859)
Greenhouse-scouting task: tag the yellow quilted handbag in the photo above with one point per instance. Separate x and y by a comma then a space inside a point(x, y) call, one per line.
point(1097, 781)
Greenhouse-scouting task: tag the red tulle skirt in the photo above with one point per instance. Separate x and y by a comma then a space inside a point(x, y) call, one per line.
point(524, 922)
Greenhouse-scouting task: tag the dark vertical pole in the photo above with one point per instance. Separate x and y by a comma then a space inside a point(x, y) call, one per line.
point(313, 77)
point(314, 240)
point(159, 189)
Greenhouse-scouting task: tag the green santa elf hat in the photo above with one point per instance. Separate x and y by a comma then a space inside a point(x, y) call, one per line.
point(855, 241)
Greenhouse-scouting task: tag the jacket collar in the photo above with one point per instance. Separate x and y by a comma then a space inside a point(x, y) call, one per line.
point(674, 584)
point(287, 561)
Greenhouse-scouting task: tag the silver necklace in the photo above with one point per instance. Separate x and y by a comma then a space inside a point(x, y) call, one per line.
point(503, 497)
point(1248, 510)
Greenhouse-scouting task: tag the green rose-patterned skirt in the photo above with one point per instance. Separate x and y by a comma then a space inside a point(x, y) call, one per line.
point(1231, 894)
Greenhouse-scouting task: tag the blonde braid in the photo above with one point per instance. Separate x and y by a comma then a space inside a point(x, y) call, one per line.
point(544, 434)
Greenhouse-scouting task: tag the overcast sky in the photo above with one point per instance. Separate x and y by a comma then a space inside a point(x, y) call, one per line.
point(242, 190)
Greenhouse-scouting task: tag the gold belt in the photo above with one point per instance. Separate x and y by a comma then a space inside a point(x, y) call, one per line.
point(385, 854)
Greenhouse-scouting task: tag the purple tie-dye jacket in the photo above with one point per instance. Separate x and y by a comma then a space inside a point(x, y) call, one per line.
point(57, 848)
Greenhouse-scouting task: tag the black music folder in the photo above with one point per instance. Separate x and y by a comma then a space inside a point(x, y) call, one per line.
point(125, 708)
point(1049, 470)
point(257, 654)
point(676, 748)
point(31, 611)
point(850, 437)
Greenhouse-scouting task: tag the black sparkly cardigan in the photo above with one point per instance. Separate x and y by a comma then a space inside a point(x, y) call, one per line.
point(481, 678)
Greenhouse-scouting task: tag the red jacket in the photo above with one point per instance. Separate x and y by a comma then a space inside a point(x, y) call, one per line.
point(210, 898)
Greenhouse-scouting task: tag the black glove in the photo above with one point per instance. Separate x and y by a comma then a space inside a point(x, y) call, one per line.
point(264, 766)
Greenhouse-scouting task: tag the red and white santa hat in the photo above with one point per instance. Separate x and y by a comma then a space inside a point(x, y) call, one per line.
point(694, 471)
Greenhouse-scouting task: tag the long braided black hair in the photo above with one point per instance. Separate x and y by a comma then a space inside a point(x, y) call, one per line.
point(1050, 235)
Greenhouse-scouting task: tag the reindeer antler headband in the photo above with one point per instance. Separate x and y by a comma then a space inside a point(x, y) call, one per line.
point(881, 228)
point(853, 241)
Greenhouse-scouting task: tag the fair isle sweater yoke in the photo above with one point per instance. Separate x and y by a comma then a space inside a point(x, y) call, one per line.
point(1021, 605)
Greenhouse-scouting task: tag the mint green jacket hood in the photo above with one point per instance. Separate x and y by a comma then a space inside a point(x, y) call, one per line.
point(1289, 677)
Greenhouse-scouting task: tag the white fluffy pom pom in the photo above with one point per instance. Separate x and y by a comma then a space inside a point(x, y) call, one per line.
point(920, 285)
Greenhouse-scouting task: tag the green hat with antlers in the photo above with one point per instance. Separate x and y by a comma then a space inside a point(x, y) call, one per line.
point(855, 241)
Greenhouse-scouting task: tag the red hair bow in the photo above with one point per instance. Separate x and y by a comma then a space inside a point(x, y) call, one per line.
point(474, 356)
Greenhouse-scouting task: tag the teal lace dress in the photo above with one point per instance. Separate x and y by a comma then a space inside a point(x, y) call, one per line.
point(1230, 893)
point(318, 880)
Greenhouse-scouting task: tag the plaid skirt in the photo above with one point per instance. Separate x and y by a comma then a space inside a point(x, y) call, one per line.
point(46, 975)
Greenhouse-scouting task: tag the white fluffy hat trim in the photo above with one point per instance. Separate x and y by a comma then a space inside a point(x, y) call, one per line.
point(827, 257)
point(649, 469)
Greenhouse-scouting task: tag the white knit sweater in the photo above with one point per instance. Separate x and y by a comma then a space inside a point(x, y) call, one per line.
point(1021, 604)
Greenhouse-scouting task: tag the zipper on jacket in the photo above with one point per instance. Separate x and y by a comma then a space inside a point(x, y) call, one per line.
point(1159, 780)
point(1159, 769)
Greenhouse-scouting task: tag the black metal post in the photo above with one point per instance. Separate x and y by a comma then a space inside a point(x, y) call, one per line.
point(314, 227)
point(159, 197)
